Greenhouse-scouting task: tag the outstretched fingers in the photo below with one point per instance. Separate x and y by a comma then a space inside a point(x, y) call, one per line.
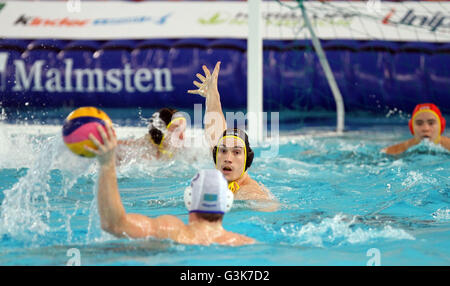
point(206, 70)
point(200, 89)
point(207, 81)
point(195, 91)
point(201, 77)
point(192, 91)
point(197, 84)
point(216, 70)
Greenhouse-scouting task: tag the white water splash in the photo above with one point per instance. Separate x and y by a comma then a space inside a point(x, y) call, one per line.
point(413, 178)
point(338, 230)
point(26, 207)
point(25, 212)
point(442, 214)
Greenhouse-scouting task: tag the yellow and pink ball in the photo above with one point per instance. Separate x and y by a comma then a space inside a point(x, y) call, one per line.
point(79, 124)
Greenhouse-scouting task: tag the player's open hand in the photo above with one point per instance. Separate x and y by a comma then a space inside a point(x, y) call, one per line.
point(208, 82)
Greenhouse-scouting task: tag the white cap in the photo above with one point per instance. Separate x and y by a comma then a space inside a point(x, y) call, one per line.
point(208, 193)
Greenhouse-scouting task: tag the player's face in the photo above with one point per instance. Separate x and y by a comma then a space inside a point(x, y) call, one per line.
point(426, 125)
point(231, 158)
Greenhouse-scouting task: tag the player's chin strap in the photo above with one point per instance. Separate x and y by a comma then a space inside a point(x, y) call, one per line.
point(233, 186)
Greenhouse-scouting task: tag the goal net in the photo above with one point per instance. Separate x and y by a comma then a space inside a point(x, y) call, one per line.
point(384, 55)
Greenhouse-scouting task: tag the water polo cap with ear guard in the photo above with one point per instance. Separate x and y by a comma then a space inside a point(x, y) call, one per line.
point(427, 107)
point(208, 193)
point(241, 135)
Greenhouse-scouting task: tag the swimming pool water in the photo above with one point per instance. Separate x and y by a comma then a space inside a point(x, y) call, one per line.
point(340, 197)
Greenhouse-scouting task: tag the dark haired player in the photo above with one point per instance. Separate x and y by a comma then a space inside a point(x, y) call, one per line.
point(230, 147)
point(165, 136)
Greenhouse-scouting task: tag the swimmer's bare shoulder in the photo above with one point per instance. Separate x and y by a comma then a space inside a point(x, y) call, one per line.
point(172, 227)
point(235, 239)
point(169, 226)
point(251, 190)
point(140, 226)
point(260, 198)
point(189, 235)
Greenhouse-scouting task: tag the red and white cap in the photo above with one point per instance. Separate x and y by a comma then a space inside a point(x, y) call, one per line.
point(427, 107)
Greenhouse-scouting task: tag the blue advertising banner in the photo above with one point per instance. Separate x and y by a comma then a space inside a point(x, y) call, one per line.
point(56, 57)
point(372, 75)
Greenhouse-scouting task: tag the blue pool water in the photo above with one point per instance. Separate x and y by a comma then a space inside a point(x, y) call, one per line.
point(340, 199)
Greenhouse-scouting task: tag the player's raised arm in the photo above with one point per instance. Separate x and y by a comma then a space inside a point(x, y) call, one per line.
point(214, 119)
point(113, 217)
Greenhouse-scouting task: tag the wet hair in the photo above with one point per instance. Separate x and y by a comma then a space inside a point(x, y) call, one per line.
point(211, 217)
point(166, 116)
point(156, 135)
